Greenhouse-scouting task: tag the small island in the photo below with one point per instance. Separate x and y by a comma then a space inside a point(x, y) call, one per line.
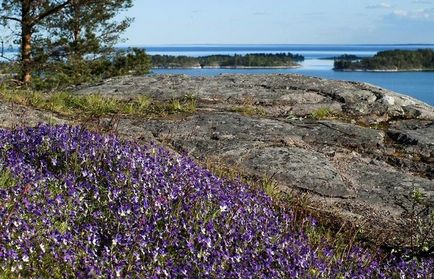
point(390, 61)
point(350, 57)
point(255, 60)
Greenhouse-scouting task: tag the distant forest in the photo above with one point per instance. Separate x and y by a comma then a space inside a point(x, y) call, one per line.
point(400, 60)
point(248, 60)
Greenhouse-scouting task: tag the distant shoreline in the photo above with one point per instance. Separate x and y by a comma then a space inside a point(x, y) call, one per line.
point(396, 60)
point(384, 70)
point(228, 67)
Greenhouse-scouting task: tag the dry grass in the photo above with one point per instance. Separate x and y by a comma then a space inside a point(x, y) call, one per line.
point(95, 105)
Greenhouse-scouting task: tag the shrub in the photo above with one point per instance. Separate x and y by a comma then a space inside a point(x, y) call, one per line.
point(62, 74)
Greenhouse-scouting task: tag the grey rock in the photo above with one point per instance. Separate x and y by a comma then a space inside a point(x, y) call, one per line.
point(277, 94)
point(362, 166)
point(12, 115)
point(340, 165)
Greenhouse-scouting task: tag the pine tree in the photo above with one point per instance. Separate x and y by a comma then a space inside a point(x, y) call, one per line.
point(26, 16)
point(85, 28)
point(63, 30)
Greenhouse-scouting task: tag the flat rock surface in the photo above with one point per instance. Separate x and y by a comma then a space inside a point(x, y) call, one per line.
point(12, 116)
point(362, 164)
point(279, 94)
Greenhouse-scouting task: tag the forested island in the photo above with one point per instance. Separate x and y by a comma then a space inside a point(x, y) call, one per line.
point(350, 57)
point(390, 60)
point(256, 60)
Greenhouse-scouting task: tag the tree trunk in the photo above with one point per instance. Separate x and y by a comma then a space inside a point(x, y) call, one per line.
point(26, 42)
point(76, 52)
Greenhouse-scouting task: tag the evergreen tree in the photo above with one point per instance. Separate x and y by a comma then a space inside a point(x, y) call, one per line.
point(26, 16)
point(87, 28)
point(63, 31)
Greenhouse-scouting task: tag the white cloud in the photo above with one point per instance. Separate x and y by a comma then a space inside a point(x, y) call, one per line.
point(379, 6)
point(418, 15)
point(400, 13)
point(423, 2)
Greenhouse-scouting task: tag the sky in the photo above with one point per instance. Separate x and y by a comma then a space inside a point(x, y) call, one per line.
point(166, 22)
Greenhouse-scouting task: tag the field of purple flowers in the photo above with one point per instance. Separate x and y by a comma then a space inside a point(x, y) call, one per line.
point(78, 204)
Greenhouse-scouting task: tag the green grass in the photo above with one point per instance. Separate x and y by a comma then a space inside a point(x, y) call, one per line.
point(68, 104)
point(249, 110)
point(322, 113)
point(6, 179)
point(7, 274)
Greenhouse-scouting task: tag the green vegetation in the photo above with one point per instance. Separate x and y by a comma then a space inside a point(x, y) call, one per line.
point(95, 105)
point(322, 113)
point(248, 60)
point(421, 223)
point(85, 27)
point(6, 179)
point(249, 110)
point(61, 74)
point(392, 60)
point(58, 75)
point(350, 57)
point(69, 42)
point(169, 61)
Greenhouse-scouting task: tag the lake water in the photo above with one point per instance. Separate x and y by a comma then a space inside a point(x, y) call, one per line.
point(419, 85)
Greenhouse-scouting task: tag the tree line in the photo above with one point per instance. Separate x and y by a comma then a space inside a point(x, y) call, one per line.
point(69, 40)
point(248, 60)
point(421, 59)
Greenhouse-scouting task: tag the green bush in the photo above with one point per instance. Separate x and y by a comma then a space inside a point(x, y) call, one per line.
point(62, 74)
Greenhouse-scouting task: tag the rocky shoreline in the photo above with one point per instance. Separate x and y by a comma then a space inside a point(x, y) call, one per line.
point(384, 70)
point(361, 161)
point(233, 67)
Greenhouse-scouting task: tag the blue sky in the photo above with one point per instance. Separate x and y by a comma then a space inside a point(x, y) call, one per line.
point(280, 21)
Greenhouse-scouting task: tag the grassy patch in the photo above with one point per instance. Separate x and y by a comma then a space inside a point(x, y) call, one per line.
point(6, 179)
point(232, 173)
point(68, 104)
point(421, 223)
point(249, 110)
point(322, 113)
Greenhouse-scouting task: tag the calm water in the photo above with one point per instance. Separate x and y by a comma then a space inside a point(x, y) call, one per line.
point(419, 85)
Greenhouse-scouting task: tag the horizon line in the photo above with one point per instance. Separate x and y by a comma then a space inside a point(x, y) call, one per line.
point(277, 44)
